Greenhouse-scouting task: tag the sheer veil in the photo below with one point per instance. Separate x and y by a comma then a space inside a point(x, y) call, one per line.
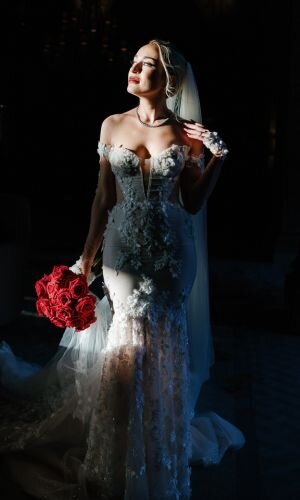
point(186, 104)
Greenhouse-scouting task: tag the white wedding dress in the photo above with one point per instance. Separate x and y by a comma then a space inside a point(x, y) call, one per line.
point(110, 415)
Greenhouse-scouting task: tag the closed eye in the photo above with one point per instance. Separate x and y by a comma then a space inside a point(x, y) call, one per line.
point(145, 63)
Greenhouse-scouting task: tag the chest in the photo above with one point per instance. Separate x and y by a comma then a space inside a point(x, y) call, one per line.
point(167, 163)
point(153, 177)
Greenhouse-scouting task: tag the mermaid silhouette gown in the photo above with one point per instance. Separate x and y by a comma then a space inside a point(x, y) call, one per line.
point(109, 416)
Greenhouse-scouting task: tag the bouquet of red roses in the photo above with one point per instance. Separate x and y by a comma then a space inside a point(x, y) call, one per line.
point(64, 298)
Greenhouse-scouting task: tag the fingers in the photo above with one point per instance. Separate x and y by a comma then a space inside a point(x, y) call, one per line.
point(196, 134)
point(195, 126)
point(196, 130)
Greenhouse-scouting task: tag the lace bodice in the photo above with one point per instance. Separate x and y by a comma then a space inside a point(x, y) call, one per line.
point(163, 172)
point(146, 216)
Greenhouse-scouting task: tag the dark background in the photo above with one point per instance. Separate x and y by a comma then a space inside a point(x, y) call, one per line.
point(64, 68)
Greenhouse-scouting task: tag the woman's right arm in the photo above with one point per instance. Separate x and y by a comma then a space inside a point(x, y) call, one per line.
point(104, 200)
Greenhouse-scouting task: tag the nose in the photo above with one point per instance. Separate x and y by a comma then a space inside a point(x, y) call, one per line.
point(136, 67)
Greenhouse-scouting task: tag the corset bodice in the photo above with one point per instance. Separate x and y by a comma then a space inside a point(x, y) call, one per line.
point(161, 179)
point(148, 224)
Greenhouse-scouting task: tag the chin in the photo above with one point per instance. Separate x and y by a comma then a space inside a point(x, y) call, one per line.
point(130, 91)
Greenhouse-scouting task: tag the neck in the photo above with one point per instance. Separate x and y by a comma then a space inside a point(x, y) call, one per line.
point(151, 111)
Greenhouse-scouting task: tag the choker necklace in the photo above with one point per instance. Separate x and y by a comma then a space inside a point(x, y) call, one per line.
point(148, 124)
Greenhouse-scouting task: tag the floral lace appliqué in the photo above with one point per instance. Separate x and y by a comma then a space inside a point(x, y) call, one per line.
point(142, 416)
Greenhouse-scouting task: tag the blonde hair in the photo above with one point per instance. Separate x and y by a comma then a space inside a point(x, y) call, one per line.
point(174, 64)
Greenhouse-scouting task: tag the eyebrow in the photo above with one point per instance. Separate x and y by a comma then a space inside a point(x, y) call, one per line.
point(148, 57)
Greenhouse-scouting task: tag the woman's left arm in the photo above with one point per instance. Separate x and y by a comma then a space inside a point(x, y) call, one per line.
point(197, 184)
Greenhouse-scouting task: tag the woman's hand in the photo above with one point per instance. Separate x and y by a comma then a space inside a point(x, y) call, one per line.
point(82, 266)
point(195, 130)
point(211, 140)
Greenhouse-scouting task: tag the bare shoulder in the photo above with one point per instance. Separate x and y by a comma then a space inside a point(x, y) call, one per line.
point(107, 128)
point(111, 123)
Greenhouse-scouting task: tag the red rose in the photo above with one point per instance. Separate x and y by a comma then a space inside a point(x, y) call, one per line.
point(78, 286)
point(86, 305)
point(43, 307)
point(57, 322)
point(46, 278)
point(86, 312)
point(41, 288)
point(59, 271)
point(52, 289)
point(79, 324)
point(61, 276)
point(65, 315)
point(62, 298)
point(89, 319)
point(83, 323)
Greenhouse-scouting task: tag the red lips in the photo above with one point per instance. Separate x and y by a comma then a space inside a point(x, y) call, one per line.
point(132, 79)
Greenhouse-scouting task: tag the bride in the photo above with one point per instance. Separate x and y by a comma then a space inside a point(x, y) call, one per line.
point(112, 415)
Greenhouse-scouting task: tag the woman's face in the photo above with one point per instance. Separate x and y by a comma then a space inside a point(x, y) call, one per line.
point(146, 76)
